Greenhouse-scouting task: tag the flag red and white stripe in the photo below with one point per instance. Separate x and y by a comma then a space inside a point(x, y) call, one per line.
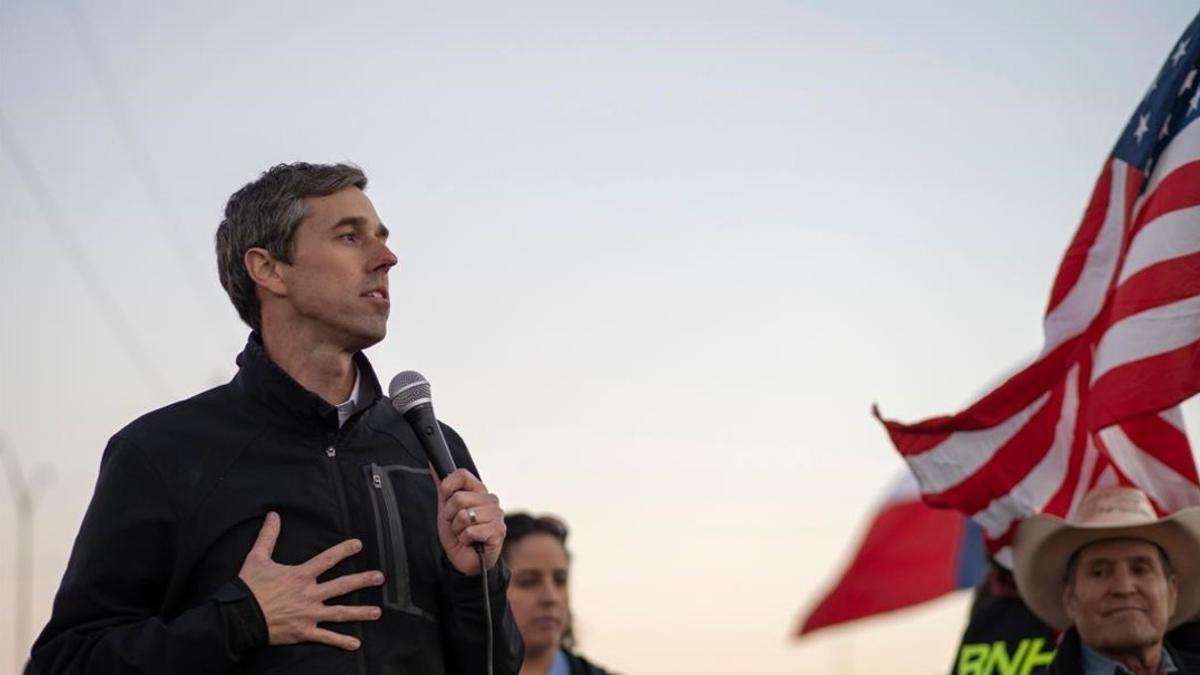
point(1099, 405)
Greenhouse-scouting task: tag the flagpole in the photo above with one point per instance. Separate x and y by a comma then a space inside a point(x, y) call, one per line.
point(24, 495)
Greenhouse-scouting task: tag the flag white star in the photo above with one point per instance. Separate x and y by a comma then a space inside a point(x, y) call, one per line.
point(1181, 52)
point(1195, 102)
point(1188, 81)
point(1143, 126)
point(1166, 125)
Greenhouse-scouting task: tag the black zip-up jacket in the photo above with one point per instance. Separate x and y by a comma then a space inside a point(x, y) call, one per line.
point(1180, 643)
point(152, 584)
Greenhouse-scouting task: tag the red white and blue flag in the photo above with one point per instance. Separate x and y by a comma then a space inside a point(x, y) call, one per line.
point(910, 553)
point(1099, 405)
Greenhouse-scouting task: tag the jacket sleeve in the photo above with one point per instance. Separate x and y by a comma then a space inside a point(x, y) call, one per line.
point(108, 613)
point(464, 627)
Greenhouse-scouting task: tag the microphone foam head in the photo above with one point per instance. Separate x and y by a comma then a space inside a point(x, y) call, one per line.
point(408, 390)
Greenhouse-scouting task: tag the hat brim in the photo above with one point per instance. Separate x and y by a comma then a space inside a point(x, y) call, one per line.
point(1044, 545)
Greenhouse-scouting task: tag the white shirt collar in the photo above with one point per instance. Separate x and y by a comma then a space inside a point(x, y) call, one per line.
point(1095, 663)
point(346, 408)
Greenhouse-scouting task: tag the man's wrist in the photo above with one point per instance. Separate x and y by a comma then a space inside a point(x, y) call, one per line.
point(248, 624)
point(466, 587)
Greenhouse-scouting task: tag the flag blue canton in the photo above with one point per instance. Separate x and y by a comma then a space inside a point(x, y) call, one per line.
point(1171, 104)
point(972, 565)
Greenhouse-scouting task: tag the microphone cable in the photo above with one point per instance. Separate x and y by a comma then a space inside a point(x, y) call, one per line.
point(487, 605)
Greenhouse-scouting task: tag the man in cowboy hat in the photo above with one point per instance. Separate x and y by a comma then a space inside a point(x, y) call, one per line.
point(1116, 578)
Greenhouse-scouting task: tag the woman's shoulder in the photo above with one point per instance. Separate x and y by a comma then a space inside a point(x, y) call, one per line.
point(581, 666)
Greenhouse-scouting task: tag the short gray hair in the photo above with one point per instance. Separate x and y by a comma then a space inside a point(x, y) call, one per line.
point(265, 214)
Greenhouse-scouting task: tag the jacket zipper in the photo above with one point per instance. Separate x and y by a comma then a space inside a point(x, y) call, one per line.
point(385, 535)
point(392, 548)
point(360, 656)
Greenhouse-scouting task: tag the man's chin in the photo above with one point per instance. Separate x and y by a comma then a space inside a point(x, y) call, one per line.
point(1124, 636)
point(364, 338)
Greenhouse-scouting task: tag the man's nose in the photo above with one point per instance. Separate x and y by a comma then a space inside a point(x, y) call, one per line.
point(1122, 582)
point(385, 258)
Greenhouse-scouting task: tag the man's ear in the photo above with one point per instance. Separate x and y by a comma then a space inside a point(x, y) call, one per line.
point(1172, 593)
point(1068, 602)
point(265, 270)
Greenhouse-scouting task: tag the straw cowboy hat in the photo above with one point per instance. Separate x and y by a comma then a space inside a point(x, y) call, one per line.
point(1044, 545)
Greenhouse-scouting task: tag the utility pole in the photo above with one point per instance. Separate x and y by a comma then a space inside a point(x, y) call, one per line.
point(25, 496)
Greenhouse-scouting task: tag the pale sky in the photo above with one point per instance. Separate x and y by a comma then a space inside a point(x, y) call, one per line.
point(657, 259)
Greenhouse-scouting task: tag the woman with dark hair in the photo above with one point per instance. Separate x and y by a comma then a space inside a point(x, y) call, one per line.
point(535, 550)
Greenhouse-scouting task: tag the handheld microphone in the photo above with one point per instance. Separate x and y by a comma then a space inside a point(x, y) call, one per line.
point(411, 397)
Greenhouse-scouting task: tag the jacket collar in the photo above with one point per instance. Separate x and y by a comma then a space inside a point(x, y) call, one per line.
point(1070, 656)
point(270, 385)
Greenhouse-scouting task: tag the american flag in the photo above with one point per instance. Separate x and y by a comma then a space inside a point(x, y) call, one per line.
point(1100, 404)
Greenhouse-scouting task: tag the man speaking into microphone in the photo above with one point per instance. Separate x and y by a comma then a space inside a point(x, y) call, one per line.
point(288, 521)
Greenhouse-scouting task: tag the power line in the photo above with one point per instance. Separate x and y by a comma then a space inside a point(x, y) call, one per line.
point(143, 164)
point(93, 282)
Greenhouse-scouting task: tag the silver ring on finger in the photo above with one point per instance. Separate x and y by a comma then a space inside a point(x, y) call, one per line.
point(472, 516)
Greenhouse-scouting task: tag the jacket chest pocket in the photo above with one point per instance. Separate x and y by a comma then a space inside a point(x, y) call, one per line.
point(404, 502)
